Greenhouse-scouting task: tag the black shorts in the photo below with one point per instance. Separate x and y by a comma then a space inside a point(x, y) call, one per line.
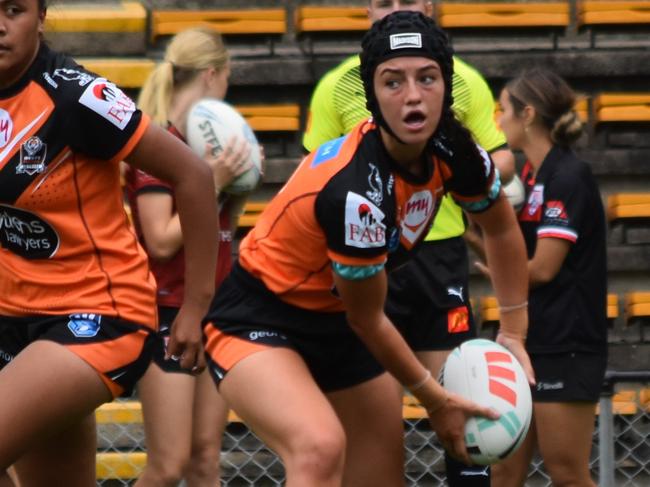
point(119, 351)
point(568, 377)
point(245, 317)
point(166, 316)
point(428, 298)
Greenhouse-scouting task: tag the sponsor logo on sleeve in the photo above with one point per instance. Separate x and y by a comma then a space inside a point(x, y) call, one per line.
point(406, 40)
point(32, 157)
point(6, 127)
point(107, 100)
point(26, 234)
point(327, 151)
point(364, 227)
point(555, 211)
point(417, 214)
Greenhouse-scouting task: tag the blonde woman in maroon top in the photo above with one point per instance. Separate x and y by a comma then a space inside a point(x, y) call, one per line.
point(184, 416)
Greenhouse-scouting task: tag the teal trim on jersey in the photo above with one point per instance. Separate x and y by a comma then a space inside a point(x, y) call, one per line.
point(479, 206)
point(356, 272)
point(338, 104)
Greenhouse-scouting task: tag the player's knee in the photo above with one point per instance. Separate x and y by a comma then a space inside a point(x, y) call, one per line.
point(508, 474)
point(168, 472)
point(319, 454)
point(569, 474)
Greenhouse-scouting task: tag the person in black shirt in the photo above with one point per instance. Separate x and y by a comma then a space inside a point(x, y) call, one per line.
point(563, 223)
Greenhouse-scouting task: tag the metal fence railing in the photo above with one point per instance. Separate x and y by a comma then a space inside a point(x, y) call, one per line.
point(620, 453)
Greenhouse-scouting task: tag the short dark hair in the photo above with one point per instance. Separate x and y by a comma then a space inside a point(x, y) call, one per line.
point(42, 5)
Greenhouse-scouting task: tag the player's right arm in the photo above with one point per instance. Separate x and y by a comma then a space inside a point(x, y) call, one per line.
point(323, 121)
point(158, 153)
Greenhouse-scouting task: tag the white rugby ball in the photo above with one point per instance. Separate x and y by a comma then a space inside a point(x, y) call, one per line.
point(214, 122)
point(488, 374)
point(515, 192)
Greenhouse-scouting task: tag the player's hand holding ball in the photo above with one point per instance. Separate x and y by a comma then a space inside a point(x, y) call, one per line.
point(489, 374)
point(448, 421)
point(216, 125)
point(233, 161)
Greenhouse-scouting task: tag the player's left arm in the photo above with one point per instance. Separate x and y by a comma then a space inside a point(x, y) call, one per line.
point(550, 254)
point(505, 253)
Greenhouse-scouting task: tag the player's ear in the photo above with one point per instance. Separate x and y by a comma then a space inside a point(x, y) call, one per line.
point(41, 22)
point(428, 8)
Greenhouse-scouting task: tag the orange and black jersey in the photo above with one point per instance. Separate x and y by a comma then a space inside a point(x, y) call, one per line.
point(66, 243)
point(349, 203)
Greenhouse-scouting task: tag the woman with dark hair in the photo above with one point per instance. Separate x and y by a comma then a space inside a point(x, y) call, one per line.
point(77, 299)
point(563, 223)
point(297, 338)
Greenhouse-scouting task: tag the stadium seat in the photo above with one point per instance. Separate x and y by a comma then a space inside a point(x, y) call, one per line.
point(120, 465)
point(124, 72)
point(622, 107)
point(489, 308)
point(644, 398)
point(252, 211)
point(624, 402)
point(331, 19)
point(272, 118)
point(117, 17)
point(502, 14)
point(637, 305)
point(628, 206)
point(262, 21)
point(612, 306)
point(601, 12)
point(412, 409)
point(101, 28)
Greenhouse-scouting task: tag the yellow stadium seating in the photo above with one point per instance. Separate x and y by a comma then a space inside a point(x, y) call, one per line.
point(502, 14)
point(237, 21)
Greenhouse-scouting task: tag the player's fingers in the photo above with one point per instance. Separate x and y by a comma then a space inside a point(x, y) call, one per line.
point(188, 360)
point(173, 351)
point(489, 413)
point(518, 349)
point(458, 450)
point(200, 364)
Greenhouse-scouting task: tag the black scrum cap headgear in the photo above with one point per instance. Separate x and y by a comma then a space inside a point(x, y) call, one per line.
point(404, 33)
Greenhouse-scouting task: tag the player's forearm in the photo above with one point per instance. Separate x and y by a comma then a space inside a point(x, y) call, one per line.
point(506, 257)
point(391, 350)
point(197, 211)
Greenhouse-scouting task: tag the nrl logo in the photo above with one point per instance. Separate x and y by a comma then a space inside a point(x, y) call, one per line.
point(32, 157)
